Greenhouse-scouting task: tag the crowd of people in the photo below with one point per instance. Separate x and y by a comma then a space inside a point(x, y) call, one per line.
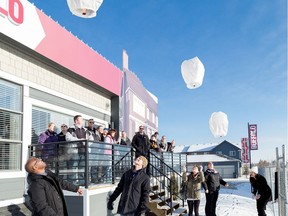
point(132, 202)
point(46, 196)
point(99, 134)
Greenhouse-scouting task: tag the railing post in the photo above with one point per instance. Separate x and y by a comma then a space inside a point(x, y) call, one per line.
point(171, 197)
point(86, 173)
point(57, 161)
point(172, 160)
point(285, 200)
point(132, 156)
point(113, 168)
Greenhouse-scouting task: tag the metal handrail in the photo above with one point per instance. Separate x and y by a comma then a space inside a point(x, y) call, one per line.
point(162, 173)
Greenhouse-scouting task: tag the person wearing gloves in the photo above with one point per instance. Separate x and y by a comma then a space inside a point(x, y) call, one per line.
point(260, 190)
point(134, 186)
point(193, 186)
point(45, 189)
point(213, 181)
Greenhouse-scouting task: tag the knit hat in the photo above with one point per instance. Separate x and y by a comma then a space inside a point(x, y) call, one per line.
point(254, 169)
point(145, 161)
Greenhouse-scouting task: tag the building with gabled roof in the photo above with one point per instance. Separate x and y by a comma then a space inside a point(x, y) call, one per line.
point(225, 156)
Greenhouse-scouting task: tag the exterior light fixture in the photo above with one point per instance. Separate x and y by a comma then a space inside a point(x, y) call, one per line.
point(193, 72)
point(84, 8)
point(218, 124)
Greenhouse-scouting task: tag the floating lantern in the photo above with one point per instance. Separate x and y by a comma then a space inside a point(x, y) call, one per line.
point(218, 124)
point(193, 72)
point(84, 8)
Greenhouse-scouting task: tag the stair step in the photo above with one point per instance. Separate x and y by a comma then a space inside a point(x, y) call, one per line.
point(154, 187)
point(156, 195)
point(180, 211)
point(175, 205)
point(161, 201)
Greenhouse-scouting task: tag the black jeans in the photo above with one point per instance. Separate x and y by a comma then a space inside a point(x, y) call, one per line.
point(261, 206)
point(193, 204)
point(211, 200)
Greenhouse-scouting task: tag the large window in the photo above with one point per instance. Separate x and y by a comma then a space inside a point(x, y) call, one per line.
point(10, 125)
point(41, 117)
point(138, 106)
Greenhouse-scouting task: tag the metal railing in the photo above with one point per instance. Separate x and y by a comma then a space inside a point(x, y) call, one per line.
point(166, 169)
point(282, 180)
point(88, 163)
point(85, 162)
point(277, 178)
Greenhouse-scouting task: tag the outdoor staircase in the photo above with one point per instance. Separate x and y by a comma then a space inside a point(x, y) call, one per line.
point(160, 204)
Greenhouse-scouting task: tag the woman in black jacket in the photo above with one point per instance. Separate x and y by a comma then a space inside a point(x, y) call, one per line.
point(260, 190)
point(45, 190)
point(134, 186)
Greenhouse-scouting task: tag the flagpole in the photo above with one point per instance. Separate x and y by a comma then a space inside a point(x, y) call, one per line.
point(249, 146)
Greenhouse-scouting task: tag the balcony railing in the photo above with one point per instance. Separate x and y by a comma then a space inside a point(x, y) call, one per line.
point(88, 163)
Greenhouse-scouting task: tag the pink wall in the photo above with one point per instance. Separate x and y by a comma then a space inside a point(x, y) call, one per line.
point(64, 48)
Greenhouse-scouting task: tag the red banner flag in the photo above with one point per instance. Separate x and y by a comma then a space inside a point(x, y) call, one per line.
point(245, 150)
point(252, 132)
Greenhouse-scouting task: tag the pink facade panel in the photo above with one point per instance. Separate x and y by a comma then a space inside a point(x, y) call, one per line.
point(64, 48)
point(32, 28)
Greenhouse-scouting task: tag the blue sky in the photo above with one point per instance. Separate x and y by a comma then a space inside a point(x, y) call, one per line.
point(242, 44)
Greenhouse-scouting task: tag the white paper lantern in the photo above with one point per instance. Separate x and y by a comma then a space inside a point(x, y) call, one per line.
point(84, 8)
point(218, 124)
point(193, 72)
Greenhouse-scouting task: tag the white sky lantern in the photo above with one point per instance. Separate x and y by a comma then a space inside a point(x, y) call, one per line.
point(84, 8)
point(193, 72)
point(218, 124)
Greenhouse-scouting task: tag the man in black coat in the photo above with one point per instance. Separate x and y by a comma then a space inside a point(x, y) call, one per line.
point(260, 190)
point(213, 181)
point(45, 189)
point(134, 186)
point(141, 143)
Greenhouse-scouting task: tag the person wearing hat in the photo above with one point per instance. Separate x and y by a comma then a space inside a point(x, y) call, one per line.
point(260, 190)
point(134, 186)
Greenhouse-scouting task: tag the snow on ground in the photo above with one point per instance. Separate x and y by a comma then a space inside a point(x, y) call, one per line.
point(235, 200)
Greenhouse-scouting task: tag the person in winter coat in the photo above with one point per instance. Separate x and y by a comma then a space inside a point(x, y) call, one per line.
point(260, 190)
point(193, 186)
point(48, 152)
point(141, 143)
point(45, 189)
point(134, 186)
point(213, 181)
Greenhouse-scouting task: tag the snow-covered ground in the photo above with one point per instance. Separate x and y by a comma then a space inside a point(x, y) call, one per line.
point(236, 200)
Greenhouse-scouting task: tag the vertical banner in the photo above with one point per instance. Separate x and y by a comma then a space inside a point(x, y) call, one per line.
point(245, 150)
point(252, 132)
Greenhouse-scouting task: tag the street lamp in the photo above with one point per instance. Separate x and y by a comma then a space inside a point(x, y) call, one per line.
point(193, 72)
point(218, 124)
point(84, 8)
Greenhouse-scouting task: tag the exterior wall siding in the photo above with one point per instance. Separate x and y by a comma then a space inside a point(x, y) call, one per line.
point(12, 188)
point(15, 63)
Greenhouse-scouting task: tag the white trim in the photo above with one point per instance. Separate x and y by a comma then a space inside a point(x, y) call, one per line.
point(12, 174)
point(53, 107)
point(86, 203)
point(21, 81)
point(4, 203)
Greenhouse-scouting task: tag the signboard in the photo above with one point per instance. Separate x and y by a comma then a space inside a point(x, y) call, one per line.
point(252, 132)
point(18, 19)
point(23, 22)
point(245, 150)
